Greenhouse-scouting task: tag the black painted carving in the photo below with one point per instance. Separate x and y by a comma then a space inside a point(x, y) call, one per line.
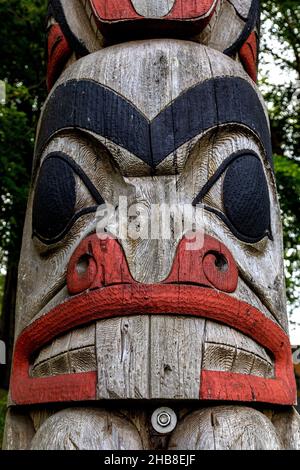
point(54, 211)
point(246, 197)
point(56, 10)
point(55, 199)
point(87, 105)
point(222, 168)
point(79, 172)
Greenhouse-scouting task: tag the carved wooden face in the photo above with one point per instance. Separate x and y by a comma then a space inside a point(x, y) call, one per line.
point(155, 122)
point(80, 27)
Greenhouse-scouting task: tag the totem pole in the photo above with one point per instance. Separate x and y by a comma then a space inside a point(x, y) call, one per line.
point(152, 341)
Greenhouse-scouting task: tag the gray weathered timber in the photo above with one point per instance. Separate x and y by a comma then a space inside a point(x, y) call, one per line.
point(86, 429)
point(225, 428)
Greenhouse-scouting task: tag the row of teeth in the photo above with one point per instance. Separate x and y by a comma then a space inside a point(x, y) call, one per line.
point(216, 358)
point(228, 359)
point(76, 352)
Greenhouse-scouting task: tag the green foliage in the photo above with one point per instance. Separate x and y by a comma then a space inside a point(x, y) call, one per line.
point(22, 68)
point(281, 46)
point(284, 17)
point(2, 280)
point(288, 181)
point(3, 400)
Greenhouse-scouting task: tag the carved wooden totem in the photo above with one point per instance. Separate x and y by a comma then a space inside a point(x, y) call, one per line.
point(152, 341)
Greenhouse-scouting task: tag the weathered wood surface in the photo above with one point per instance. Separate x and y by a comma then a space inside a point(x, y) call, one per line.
point(118, 428)
point(155, 359)
point(287, 425)
point(81, 27)
point(19, 430)
point(144, 318)
point(225, 428)
point(86, 429)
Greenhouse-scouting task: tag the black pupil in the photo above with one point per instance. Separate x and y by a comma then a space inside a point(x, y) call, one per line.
point(246, 197)
point(55, 199)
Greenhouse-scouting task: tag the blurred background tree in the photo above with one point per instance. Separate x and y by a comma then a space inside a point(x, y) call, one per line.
point(22, 68)
point(280, 81)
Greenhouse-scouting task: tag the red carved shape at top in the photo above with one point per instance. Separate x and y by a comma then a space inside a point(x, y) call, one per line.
point(114, 10)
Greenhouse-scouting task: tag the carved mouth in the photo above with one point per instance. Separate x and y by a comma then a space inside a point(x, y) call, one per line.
point(224, 350)
point(218, 382)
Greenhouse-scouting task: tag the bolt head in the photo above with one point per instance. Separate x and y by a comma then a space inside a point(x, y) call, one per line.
point(164, 420)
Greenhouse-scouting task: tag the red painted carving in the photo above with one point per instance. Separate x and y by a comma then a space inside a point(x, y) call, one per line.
point(59, 53)
point(115, 299)
point(114, 10)
point(212, 265)
point(248, 56)
point(98, 263)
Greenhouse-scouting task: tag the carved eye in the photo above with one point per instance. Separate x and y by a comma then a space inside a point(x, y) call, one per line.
point(55, 199)
point(54, 204)
point(246, 197)
point(246, 202)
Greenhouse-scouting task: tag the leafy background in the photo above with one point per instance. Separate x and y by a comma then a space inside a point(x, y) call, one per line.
point(22, 67)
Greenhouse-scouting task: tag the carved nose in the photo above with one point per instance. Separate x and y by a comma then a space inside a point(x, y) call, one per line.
point(212, 265)
point(98, 263)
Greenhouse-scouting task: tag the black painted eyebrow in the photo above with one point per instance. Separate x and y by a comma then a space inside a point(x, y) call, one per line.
point(87, 105)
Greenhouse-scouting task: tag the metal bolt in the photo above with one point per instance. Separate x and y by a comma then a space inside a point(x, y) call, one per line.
point(164, 420)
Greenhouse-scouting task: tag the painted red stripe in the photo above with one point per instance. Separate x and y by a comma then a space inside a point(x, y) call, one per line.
point(216, 385)
point(248, 55)
point(59, 53)
point(137, 299)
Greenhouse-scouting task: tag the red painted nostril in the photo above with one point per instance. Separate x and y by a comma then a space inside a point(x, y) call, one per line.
point(83, 265)
point(82, 272)
point(220, 270)
point(211, 265)
point(221, 263)
point(97, 263)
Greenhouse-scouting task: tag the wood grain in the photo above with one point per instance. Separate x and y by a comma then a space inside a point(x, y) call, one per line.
point(86, 429)
point(287, 425)
point(122, 347)
point(225, 428)
point(19, 430)
point(176, 357)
